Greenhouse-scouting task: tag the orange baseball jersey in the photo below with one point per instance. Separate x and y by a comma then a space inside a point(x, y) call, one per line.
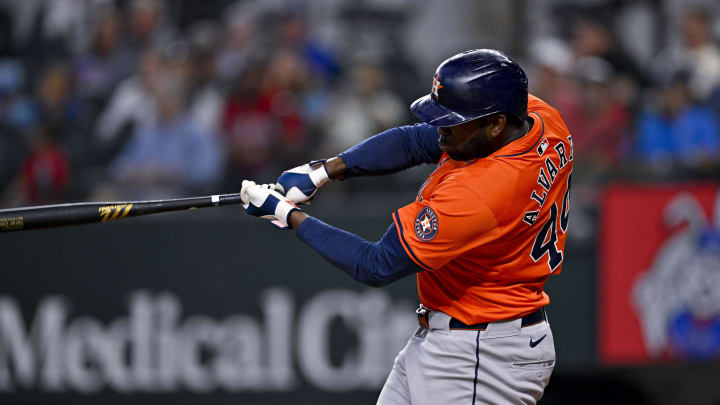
point(490, 231)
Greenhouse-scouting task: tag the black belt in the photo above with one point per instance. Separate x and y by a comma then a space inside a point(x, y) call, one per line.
point(527, 320)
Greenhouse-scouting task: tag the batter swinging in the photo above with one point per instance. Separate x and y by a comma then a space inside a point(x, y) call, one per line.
point(485, 232)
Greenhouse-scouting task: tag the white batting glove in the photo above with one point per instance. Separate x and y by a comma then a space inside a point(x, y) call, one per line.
point(301, 183)
point(261, 200)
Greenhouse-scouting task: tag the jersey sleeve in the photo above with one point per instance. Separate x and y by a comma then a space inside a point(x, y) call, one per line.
point(374, 264)
point(444, 226)
point(392, 151)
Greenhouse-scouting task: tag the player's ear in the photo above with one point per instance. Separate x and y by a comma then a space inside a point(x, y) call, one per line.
point(496, 125)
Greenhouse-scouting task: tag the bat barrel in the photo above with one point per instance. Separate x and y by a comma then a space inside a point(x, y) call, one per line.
point(50, 216)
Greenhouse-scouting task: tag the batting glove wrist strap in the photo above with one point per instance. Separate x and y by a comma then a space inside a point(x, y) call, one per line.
point(283, 210)
point(320, 175)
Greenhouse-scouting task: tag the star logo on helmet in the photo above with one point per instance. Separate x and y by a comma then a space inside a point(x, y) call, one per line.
point(436, 86)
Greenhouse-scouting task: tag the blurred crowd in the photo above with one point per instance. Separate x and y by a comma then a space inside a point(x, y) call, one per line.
point(655, 118)
point(661, 117)
point(142, 99)
point(132, 99)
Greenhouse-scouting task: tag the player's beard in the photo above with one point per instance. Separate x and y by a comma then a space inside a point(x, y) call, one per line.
point(477, 146)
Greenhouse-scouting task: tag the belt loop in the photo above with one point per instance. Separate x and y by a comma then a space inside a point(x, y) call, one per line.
point(439, 320)
point(502, 329)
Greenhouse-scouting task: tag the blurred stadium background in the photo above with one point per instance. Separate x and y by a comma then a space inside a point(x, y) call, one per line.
point(141, 99)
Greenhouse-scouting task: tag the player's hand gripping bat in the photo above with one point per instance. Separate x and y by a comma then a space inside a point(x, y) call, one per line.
point(50, 216)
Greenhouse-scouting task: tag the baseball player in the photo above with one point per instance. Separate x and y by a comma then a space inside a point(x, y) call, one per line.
point(486, 230)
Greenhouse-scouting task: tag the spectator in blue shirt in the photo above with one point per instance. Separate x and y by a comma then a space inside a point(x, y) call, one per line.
point(171, 156)
point(678, 131)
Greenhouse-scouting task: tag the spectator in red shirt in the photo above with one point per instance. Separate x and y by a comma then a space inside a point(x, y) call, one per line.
point(45, 173)
point(599, 121)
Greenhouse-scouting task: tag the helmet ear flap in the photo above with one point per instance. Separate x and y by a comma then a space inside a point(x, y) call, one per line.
point(520, 112)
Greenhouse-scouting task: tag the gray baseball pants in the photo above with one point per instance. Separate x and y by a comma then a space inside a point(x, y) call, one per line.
point(452, 366)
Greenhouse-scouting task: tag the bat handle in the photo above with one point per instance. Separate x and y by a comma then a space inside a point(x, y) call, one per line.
point(237, 198)
point(226, 199)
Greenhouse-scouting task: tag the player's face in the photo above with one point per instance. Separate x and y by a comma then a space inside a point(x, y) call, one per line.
point(466, 141)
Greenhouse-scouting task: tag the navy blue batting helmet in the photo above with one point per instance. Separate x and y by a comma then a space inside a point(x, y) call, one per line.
point(471, 85)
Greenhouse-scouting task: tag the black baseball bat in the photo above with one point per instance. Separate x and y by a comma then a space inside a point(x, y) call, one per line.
point(50, 216)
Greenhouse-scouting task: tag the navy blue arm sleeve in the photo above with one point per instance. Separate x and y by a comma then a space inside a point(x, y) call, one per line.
point(392, 151)
point(375, 264)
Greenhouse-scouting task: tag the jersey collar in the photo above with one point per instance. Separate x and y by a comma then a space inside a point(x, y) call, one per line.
point(525, 143)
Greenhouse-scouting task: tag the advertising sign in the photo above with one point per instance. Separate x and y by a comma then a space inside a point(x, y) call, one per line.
point(659, 273)
point(162, 312)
